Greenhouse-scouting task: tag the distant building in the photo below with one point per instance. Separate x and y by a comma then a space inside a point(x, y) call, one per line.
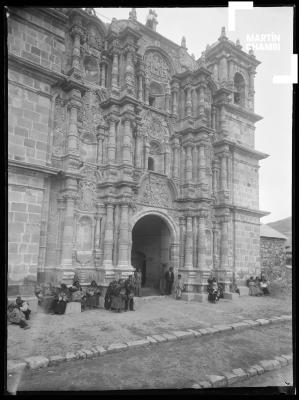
point(273, 252)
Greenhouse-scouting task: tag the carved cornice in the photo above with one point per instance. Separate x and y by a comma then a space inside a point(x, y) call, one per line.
point(258, 155)
point(31, 69)
point(245, 113)
point(44, 169)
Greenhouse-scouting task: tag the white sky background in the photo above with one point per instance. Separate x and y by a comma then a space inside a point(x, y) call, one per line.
point(202, 26)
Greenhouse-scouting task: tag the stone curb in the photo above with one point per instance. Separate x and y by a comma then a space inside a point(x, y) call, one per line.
point(239, 374)
point(37, 362)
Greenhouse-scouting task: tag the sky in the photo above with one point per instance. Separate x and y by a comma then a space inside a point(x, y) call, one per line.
point(273, 135)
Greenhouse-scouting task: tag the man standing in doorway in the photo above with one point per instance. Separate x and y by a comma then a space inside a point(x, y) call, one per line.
point(169, 278)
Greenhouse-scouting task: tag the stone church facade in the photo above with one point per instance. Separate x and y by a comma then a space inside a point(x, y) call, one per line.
point(125, 151)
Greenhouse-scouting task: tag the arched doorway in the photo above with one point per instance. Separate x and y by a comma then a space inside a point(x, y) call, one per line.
point(151, 242)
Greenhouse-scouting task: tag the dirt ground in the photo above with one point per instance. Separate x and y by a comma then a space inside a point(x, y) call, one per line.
point(165, 366)
point(59, 334)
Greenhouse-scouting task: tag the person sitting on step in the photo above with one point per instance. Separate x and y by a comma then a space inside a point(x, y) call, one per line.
point(23, 306)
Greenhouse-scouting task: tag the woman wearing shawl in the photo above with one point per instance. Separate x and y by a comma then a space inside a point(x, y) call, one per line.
point(61, 299)
point(119, 296)
point(92, 295)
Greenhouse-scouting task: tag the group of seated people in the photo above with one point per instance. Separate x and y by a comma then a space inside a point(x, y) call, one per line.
point(258, 286)
point(54, 299)
point(120, 295)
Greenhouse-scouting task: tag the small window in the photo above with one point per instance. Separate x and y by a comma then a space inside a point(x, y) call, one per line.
point(151, 101)
point(150, 164)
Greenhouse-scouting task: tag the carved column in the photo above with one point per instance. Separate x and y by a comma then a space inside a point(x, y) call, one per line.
point(188, 244)
point(76, 33)
point(194, 163)
point(214, 179)
point(115, 72)
point(201, 264)
point(188, 102)
point(182, 165)
point(140, 86)
point(215, 247)
point(202, 165)
point(129, 72)
point(127, 142)
point(182, 241)
point(223, 175)
point(138, 148)
point(167, 102)
point(97, 242)
point(72, 134)
point(213, 118)
point(111, 140)
point(146, 91)
point(231, 71)
point(194, 102)
point(167, 161)
point(201, 101)
point(188, 163)
point(224, 242)
point(176, 154)
point(146, 153)
point(175, 101)
point(123, 241)
point(103, 74)
point(223, 123)
point(68, 229)
point(108, 237)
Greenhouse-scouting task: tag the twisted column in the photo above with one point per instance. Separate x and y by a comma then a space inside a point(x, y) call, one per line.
point(138, 149)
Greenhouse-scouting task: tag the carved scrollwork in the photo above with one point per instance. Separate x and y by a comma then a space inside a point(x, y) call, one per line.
point(156, 66)
point(86, 196)
point(155, 192)
point(59, 127)
point(155, 126)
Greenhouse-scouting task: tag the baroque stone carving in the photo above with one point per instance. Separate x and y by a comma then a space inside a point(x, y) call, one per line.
point(156, 66)
point(155, 192)
point(154, 126)
point(86, 197)
point(59, 127)
point(90, 116)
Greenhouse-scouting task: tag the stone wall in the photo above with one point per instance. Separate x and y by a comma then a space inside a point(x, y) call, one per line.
point(273, 257)
point(36, 38)
point(245, 183)
point(247, 242)
point(25, 198)
point(28, 118)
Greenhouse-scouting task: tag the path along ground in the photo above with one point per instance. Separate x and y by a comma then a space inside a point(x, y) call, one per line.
point(59, 334)
point(166, 365)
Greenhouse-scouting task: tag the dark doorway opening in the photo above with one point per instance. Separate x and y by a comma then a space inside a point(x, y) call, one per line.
point(151, 249)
